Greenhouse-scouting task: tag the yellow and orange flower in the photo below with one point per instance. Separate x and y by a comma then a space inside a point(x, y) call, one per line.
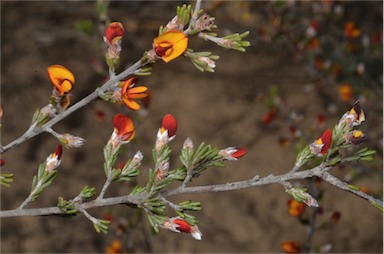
point(170, 44)
point(129, 93)
point(62, 78)
point(124, 127)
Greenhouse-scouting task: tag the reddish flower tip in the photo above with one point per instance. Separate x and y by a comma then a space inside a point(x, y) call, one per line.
point(239, 153)
point(124, 126)
point(2, 162)
point(59, 151)
point(114, 32)
point(183, 226)
point(169, 123)
point(326, 138)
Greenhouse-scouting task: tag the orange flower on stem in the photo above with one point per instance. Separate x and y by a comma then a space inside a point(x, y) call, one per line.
point(61, 78)
point(114, 248)
point(351, 31)
point(290, 247)
point(295, 208)
point(170, 45)
point(345, 92)
point(129, 93)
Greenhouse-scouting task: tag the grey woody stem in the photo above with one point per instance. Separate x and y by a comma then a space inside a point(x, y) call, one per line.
point(320, 171)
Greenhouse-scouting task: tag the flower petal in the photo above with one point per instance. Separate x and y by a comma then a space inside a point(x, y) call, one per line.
point(170, 44)
point(131, 104)
point(169, 123)
point(124, 126)
point(114, 32)
point(61, 77)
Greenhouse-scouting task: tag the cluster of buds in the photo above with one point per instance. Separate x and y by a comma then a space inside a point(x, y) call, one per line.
point(203, 61)
point(113, 36)
point(70, 141)
point(352, 118)
point(233, 41)
point(179, 225)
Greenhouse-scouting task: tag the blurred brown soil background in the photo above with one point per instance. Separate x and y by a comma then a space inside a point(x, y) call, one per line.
point(223, 109)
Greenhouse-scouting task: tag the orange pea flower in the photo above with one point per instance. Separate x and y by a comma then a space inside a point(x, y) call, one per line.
point(124, 127)
point(290, 247)
point(351, 31)
point(114, 248)
point(61, 78)
point(295, 208)
point(170, 45)
point(130, 93)
point(345, 92)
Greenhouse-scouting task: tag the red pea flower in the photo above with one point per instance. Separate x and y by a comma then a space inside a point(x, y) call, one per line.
point(320, 146)
point(114, 32)
point(54, 159)
point(169, 124)
point(167, 132)
point(123, 127)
